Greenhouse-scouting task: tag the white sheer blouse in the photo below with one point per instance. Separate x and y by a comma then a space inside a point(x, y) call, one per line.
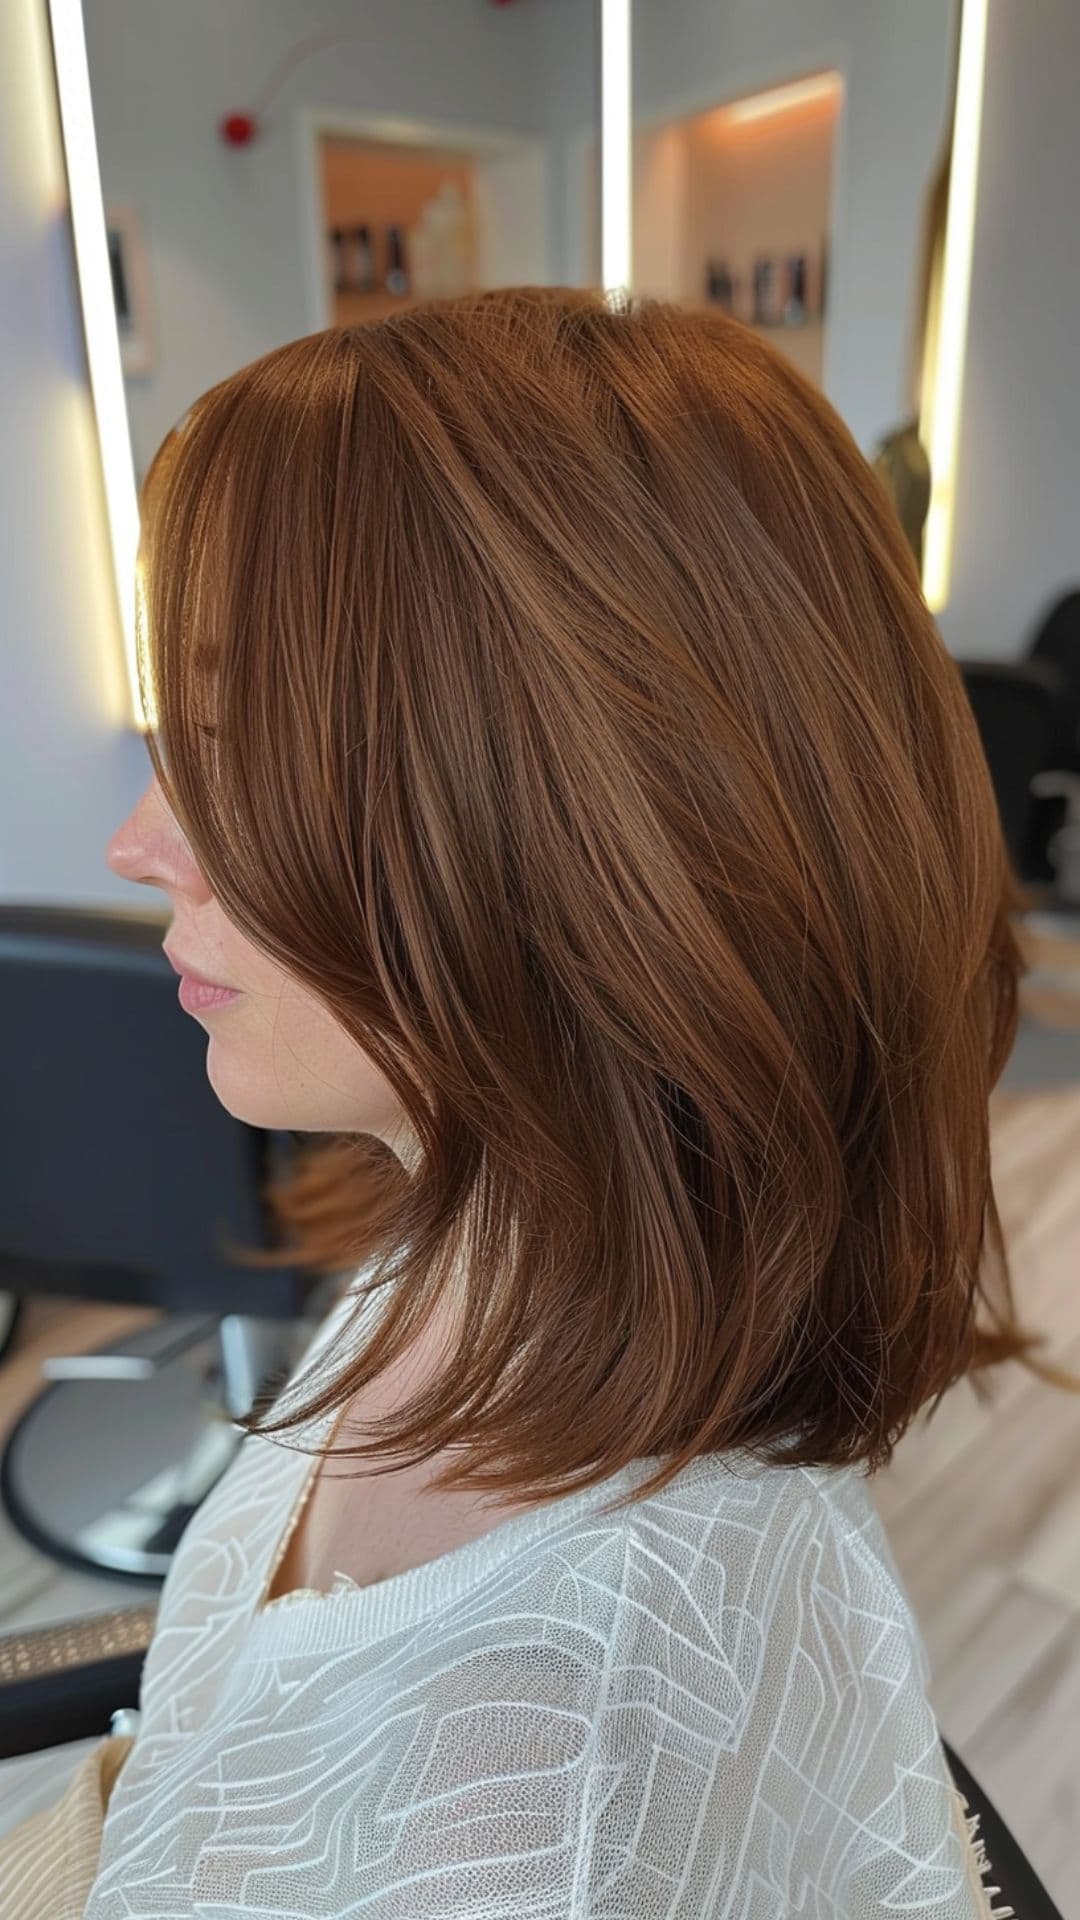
point(713, 1704)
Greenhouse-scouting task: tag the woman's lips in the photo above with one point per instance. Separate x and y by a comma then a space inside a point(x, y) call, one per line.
point(198, 996)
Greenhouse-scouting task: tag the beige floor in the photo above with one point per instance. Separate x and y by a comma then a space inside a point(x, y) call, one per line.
point(981, 1501)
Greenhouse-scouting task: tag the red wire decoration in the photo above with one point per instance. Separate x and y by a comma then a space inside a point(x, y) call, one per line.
point(239, 129)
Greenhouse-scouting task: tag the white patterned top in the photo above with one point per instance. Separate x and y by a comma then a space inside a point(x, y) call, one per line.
point(710, 1706)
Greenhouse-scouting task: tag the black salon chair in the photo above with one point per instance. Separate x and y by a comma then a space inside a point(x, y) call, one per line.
point(1056, 644)
point(121, 1176)
point(77, 1681)
point(1056, 641)
point(1024, 715)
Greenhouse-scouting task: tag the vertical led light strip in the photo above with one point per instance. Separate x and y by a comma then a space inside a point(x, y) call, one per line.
point(616, 166)
point(940, 434)
point(99, 318)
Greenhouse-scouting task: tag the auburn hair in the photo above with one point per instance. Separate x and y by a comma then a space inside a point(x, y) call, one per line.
point(543, 679)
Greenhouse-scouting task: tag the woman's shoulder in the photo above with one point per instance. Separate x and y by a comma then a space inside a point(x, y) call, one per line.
point(725, 1683)
point(733, 1508)
point(763, 1595)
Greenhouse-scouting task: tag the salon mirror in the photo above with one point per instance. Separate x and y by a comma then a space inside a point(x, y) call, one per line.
point(790, 166)
point(270, 167)
point(269, 170)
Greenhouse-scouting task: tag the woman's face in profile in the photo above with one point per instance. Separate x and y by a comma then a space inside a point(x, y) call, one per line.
point(277, 1057)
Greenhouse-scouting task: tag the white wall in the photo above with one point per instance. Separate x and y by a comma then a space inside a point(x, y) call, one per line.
point(226, 228)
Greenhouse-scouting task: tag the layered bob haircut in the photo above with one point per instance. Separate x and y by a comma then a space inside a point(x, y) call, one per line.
point(542, 679)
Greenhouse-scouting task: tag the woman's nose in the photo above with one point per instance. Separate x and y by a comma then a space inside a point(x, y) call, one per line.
point(149, 847)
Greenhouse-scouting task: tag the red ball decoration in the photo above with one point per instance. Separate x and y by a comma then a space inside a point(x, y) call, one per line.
point(238, 129)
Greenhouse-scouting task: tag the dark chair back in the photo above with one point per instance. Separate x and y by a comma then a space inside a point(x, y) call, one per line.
point(1057, 640)
point(1019, 1889)
point(1018, 707)
point(121, 1171)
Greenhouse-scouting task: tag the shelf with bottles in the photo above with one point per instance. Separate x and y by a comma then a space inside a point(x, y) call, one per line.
point(776, 291)
point(353, 263)
point(379, 265)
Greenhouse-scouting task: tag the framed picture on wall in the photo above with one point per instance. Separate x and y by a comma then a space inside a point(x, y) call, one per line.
point(130, 270)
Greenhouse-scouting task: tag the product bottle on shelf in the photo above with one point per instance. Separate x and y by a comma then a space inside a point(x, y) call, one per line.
point(720, 288)
point(361, 260)
point(397, 278)
point(440, 245)
point(764, 292)
point(338, 264)
point(795, 303)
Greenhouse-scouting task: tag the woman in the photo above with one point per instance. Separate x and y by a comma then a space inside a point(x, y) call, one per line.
point(555, 753)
